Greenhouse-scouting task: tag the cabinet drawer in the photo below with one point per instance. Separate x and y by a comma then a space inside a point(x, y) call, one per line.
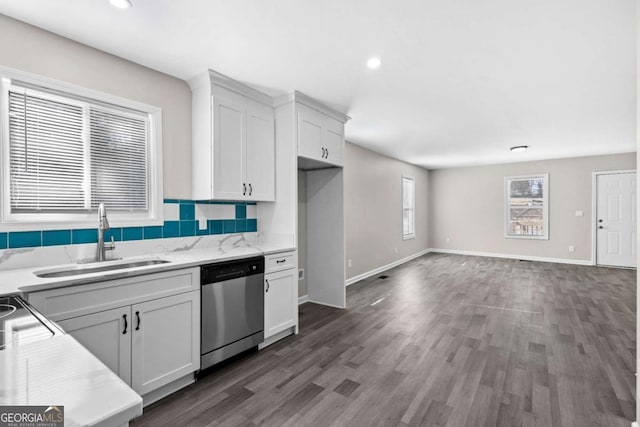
point(65, 303)
point(278, 262)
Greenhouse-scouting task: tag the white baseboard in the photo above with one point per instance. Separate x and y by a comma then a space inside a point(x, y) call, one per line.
point(303, 299)
point(378, 270)
point(511, 256)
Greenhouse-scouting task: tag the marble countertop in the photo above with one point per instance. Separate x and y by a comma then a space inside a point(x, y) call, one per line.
point(60, 371)
point(23, 280)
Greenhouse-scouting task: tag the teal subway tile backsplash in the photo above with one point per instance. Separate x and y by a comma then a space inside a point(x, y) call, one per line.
point(187, 212)
point(56, 237)
point(228, 226)
point(215, 226)
point(241, 211)
point(132, 233)
point(84, 235)
point(227, 217)
point(171, 229)
point(25, 239)
point(152, 232)
point(187, 228)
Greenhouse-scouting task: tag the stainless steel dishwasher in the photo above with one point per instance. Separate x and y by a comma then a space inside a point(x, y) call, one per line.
point(232, 308)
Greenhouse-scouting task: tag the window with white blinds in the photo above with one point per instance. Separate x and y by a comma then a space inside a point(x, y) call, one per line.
point(408, 208)
point(67, 154)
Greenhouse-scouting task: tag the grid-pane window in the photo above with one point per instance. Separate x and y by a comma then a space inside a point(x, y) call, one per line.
point(408, 208)
point(68, 154)
point(527, 206)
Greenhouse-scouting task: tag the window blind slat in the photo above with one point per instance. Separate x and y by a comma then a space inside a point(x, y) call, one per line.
point(45, 147)
point(60, 149)
point(119, 173)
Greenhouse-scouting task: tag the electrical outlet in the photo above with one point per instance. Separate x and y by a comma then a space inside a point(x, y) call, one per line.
point(202, 223)
point(349, 263)
point(395, 250)
point(572, 248)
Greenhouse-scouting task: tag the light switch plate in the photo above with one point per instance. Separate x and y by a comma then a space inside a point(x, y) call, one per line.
point(579, 213)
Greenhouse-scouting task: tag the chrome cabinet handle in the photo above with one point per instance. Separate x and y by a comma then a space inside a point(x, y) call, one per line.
point(138, 316)
point(267, 280)
point(327, 153)
point(323, 152)
point(280, 261)
point(124, 316)
point(244, 189)
point(250, 189)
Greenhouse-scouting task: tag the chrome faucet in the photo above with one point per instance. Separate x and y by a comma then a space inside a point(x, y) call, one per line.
point(103, 225)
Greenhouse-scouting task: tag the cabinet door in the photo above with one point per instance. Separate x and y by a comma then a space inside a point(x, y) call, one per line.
point(310, 129)
point(260, 152)
point(228, 146)
point(107, 335)
point(166, 340)
point(333, 141)
point(280, 301)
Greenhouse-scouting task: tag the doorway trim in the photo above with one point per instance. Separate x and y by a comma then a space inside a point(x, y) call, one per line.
point(594, 208)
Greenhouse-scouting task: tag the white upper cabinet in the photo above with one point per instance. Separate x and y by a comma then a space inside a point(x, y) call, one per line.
point(320, 132)
point(233, 135)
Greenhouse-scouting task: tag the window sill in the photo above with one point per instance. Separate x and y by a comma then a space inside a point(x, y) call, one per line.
point(507, 236)
point(408, 237)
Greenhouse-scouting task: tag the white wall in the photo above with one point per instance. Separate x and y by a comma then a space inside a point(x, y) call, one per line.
point(373, 210)
point(31, 49)
point(467, 206)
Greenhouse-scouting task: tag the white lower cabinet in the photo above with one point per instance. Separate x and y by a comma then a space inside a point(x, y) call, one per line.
point(146, 329)
point(279, 302)
point(149, 344)
point(107, 335)
point(280, 296)
point(166, 341)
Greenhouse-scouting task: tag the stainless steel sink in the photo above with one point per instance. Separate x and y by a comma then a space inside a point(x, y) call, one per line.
point(79, 269)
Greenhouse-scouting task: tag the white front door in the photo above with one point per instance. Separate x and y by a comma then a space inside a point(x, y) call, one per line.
point(616, 219)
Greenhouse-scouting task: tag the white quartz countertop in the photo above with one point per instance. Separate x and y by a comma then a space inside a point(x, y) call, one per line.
point(23, 280)
point(60, 371)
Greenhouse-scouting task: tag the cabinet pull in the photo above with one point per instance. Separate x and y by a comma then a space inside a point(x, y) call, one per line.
point(244, 189)
point(327, 153)
point(124, 316)
point(280, 261)
point(138, 316)
point(323, 152)
point(267, 280)
point(250, 189)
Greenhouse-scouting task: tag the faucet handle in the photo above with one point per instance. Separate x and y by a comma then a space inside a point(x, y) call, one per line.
point(111, 245)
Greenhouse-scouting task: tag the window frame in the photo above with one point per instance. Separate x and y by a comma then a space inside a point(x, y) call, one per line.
point(545, 206)
point(411, 235)
point(69, 92)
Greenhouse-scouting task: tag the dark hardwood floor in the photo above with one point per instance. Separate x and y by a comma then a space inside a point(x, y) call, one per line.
point(445, 340)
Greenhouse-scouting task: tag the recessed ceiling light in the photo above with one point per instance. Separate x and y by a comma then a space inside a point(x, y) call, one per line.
point(121, 4)
point(519, 148)
point(374, 63)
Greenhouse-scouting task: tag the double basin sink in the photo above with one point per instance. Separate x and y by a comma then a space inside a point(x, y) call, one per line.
point(80, 269)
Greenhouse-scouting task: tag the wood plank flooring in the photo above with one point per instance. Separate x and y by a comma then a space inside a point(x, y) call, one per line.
point(445, 340)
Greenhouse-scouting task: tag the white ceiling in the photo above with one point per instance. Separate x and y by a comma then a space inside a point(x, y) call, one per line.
point(461, 81)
